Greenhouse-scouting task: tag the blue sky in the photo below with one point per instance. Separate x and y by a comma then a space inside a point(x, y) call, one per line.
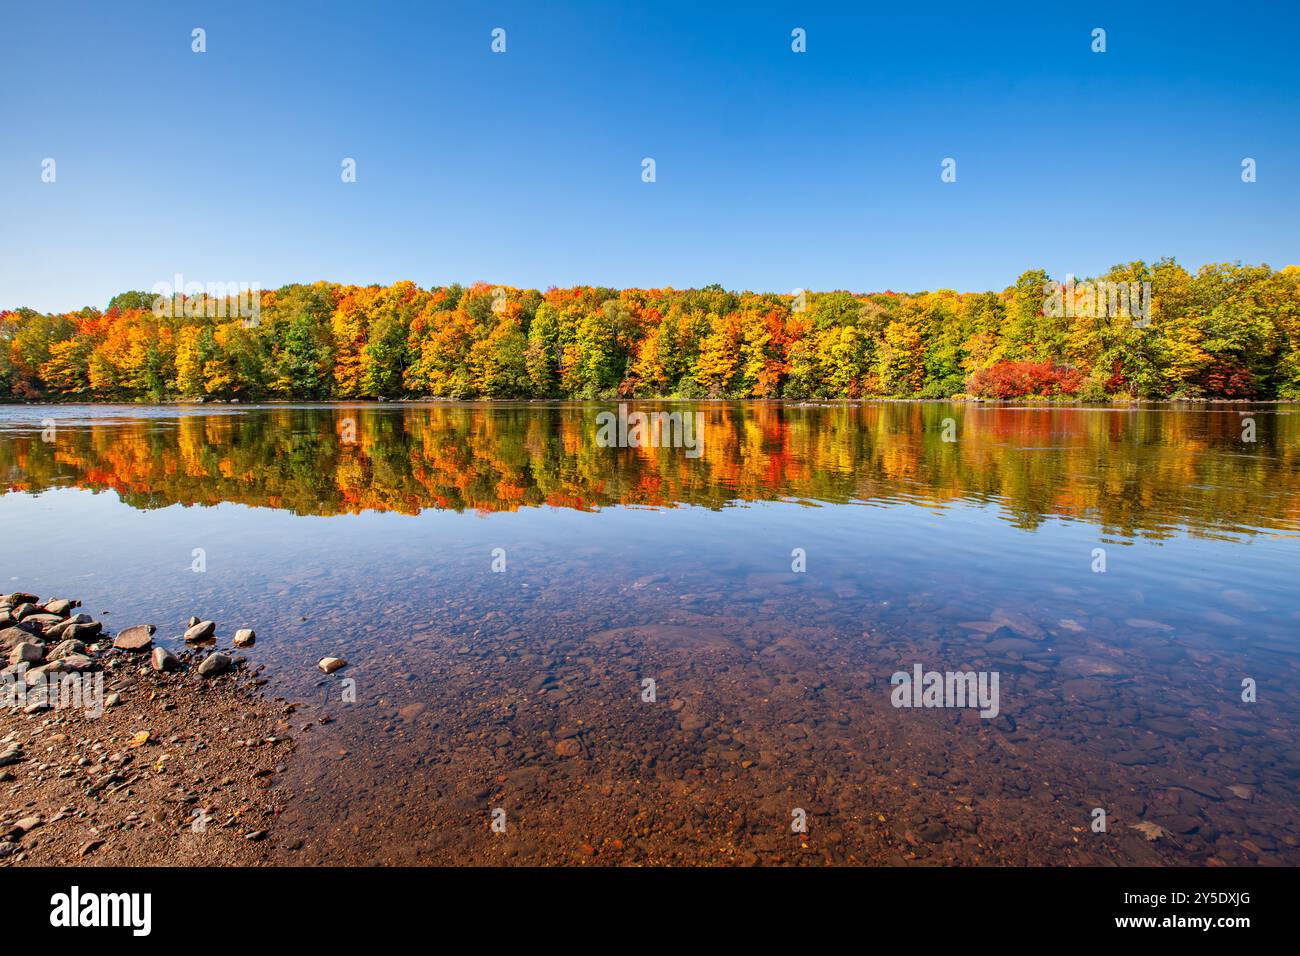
point(775, 170)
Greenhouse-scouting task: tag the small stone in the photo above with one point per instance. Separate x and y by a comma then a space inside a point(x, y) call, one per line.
point(245, 637)
point(213, 665)
point(330, 664)
point(90, 847)
point(569, 747)
point(27, 824)
point(255, 835)
point(163, 660)
point(201, 631)
point(112, 700)
point(137, 638)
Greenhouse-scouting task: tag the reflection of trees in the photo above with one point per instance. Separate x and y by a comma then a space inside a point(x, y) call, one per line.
point(1131, 472)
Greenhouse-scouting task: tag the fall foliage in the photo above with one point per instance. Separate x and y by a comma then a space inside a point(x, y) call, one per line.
point(1228, 331)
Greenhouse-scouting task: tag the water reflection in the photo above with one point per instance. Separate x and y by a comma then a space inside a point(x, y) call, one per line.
point(1140, 472)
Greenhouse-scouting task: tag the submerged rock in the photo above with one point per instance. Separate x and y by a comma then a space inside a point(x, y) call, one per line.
point(201, 631)
point(330, 664)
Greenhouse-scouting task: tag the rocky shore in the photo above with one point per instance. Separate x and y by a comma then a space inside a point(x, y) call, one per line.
point(119, 750)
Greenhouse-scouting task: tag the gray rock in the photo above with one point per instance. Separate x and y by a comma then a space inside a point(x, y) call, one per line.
point(245, 637)
point(201, 631)
point(163, 660)
point(213, 665)
point(82, 631)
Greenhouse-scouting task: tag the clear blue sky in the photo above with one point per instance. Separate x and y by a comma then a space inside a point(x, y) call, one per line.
point(775, 170)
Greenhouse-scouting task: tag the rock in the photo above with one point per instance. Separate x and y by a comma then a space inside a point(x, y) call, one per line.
point(24, 610)
point(60, 607)
point(76, 662)
point(13, 635)
point(137, 638)
point(64, 648)
point(37, 674)
point(27, 824)
point(568, 748)
point(330, 664)
point(112, 700)
point(193, 621)
point(245, 637)
point(10, 755)
point(255, 835)
point(56, 632)
point(26, 651)
point(7, 848)
point(19, 597)
point(82, 631)
point(163, 660)
point(90, 847)
point(213, 665)
point(201, 631)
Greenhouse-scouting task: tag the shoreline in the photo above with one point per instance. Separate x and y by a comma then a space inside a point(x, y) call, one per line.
point(176, 764)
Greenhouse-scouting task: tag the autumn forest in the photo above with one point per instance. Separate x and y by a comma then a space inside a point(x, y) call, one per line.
point(1225, 331)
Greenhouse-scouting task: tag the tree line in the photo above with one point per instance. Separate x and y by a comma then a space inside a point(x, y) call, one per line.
point(1226, 331)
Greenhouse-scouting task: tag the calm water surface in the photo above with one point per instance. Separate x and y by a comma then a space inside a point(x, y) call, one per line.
point(369, 532)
